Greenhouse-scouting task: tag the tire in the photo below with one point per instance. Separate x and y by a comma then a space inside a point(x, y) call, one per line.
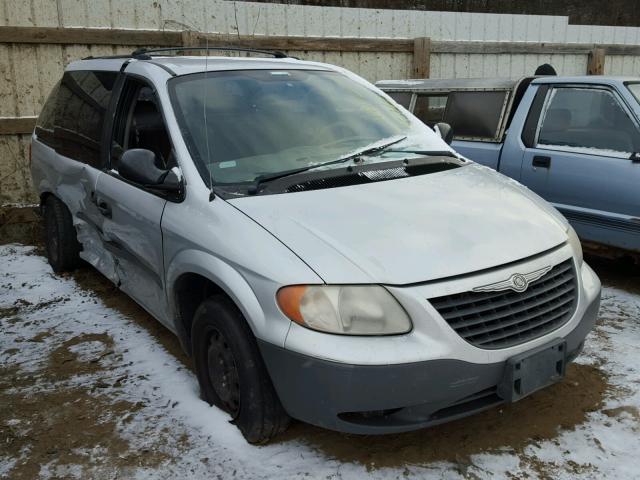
point(61, 238)
point(231, 373)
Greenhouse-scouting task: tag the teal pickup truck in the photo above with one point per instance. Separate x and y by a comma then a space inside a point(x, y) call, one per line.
point(573, 140)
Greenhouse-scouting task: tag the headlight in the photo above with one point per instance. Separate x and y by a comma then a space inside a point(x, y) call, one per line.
point(574, 241)
point(350, 310)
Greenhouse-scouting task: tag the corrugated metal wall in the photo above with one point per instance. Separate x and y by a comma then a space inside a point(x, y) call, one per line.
point(29, 71)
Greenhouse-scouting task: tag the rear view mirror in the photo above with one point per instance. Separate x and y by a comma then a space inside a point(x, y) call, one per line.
point(445, 131)
point(139, 165)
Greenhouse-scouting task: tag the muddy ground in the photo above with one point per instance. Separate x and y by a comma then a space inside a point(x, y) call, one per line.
point(73, 403)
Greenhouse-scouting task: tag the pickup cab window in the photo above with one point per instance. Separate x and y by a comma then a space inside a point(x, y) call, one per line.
point(474, 115)
point(634, 88)
point(589, 120)
point(403, 98)
point(430, 108)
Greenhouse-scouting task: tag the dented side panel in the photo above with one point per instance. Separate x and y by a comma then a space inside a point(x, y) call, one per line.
point(74, 183)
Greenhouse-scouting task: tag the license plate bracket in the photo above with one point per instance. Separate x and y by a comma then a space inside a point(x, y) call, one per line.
point(533, 370)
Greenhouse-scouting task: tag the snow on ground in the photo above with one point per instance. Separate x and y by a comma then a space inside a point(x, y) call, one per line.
point(87, 392)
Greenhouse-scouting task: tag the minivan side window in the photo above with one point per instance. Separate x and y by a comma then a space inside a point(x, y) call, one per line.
point(82, 100)
point(46, 119)
point(139, 124)
point(430, 108)
point(588, 120)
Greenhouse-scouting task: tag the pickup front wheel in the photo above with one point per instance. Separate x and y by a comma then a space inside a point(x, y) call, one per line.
point(231, 373)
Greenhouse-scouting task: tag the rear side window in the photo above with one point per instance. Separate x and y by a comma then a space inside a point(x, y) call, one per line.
point(45, 122)
point(81, 103)
point(430, 109)
point(589, 120)
point(476, 114)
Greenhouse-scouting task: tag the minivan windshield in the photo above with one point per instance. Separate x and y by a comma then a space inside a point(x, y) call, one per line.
point(262, 122)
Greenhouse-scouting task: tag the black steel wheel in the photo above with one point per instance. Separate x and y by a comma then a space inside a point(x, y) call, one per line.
point(223, 373)
point(231, 372)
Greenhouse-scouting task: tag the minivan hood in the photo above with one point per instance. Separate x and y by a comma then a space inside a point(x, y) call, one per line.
point(412, 229)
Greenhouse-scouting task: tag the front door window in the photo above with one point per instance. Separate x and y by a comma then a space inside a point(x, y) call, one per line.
point(139, 124)
point(587, 120)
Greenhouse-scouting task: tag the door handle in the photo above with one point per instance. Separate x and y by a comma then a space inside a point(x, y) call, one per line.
point(542, 162)
point(104, 209)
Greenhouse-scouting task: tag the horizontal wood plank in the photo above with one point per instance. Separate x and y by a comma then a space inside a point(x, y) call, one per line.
point(529, 48)
point(88, 36)
point(102, 36)
point(319, 44)
point(17, 125)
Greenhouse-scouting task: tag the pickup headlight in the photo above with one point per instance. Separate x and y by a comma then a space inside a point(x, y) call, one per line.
point(348, 309)
point(574, 241)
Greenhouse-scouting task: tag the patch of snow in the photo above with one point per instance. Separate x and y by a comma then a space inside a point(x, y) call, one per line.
point(88, 351)
point(6, 464)
point(404, 83)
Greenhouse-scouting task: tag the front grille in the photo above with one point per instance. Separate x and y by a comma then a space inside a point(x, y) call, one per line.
point(503, 319)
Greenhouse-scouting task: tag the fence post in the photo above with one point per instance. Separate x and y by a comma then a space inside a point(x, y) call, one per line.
point(595, 66)
point(190, 39)
point(421, 57)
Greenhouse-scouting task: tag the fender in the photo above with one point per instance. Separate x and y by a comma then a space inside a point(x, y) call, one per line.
point(229, 279)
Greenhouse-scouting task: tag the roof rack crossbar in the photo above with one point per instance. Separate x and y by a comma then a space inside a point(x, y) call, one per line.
point(144, 53)
point(107, 57)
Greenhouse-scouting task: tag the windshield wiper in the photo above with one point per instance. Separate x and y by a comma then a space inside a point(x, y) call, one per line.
point(427, 153)
point(368, 150)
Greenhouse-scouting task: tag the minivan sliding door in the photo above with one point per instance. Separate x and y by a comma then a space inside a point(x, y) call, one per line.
point(74, 128)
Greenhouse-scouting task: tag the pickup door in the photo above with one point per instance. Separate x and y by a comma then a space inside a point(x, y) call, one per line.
point(580, 160)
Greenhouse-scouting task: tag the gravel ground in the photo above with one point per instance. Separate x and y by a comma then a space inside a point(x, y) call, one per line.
point(92, 387)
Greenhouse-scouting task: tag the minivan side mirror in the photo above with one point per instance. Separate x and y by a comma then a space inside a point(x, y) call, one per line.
point(138, 165)
point(445, 131)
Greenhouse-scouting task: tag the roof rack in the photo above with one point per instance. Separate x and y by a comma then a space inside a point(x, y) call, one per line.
point(145, 54)
point(106, 57)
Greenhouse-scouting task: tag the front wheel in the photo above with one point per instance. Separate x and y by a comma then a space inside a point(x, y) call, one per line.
point(231, 372)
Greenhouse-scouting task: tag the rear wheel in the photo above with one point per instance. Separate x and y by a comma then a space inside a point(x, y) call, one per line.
point(231, 372)
point(63, 248)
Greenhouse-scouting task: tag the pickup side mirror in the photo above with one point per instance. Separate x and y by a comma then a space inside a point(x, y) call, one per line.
point(139, 166)
point(445, 131)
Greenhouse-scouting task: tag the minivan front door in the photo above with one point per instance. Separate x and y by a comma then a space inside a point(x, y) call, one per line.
point(132, 214)
point(581, 162)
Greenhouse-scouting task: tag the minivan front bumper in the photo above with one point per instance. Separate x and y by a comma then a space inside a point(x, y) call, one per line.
point(377, 399)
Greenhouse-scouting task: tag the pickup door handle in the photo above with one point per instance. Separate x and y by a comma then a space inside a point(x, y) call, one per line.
point(104, 209)
point(541, 161)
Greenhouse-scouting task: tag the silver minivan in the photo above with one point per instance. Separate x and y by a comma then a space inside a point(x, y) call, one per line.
point(320, 253)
